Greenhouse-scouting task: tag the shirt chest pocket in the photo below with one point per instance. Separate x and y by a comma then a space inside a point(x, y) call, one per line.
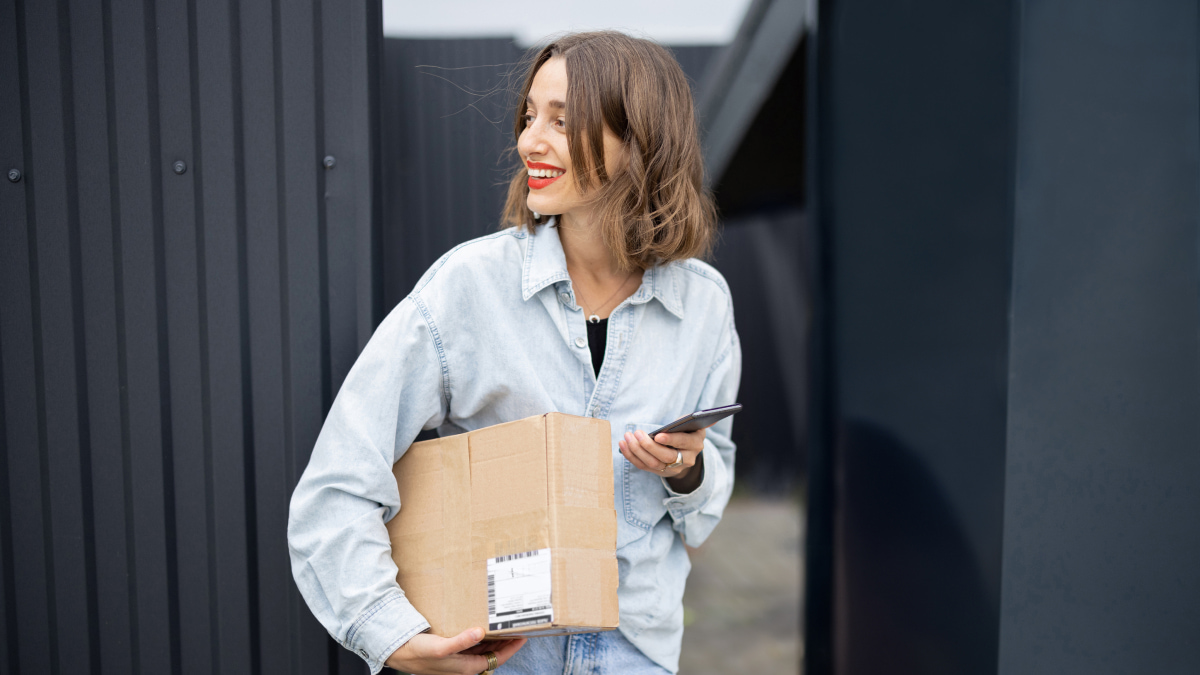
point(642, 492)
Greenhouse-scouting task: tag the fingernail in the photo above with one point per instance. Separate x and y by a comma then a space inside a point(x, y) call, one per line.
point(477, 635)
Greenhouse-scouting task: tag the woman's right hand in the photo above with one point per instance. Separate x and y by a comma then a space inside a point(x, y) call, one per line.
point(462, 654)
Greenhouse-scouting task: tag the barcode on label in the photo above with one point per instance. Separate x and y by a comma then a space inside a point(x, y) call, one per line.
point(491, 594)
point(516, 556)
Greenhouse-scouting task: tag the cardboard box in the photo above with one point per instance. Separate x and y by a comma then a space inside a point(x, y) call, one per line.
point(511, 528)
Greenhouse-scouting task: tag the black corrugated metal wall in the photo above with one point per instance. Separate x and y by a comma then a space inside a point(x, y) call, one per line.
point(183, 285)
point(446, 126)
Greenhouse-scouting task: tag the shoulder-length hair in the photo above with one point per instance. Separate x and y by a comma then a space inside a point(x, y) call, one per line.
point(655, 209)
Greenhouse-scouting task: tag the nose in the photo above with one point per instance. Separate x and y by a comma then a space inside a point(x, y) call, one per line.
point(532, 142)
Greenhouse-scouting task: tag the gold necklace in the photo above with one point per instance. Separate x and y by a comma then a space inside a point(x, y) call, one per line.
point(594, 317)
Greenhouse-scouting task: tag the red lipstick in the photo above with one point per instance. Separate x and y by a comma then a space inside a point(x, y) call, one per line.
point(539, 183)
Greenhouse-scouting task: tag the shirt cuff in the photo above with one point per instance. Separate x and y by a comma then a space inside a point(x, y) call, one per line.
point(681, 505)
point(383, 628)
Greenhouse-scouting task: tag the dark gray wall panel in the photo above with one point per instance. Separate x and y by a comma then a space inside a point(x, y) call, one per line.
point(1008, 204)
point(762, 257)
point(1101, 547)
point(13, 274)
point(95, 192)
point(191, 437)
point(303, 306)
point(171, 339)
point(27, 591)
point(270, 610)
point(54, 252)
point(694, 60)
point(141, 353)
point(914, 212)
point(446, 126)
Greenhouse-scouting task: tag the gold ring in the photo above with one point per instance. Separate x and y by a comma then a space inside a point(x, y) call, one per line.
point(678, 461)
point(492, 662)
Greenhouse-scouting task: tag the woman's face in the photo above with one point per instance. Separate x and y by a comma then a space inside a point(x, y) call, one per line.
point(543, 146)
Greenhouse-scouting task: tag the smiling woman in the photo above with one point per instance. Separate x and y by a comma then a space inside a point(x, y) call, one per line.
point(591, 303)
point(630, 153)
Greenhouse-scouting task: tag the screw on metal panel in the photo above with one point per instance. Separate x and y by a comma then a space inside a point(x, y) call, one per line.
point(329, 162)
point(179, 167)
point(14, 175)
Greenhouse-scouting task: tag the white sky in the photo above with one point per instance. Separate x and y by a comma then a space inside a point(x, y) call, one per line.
point(676, 22)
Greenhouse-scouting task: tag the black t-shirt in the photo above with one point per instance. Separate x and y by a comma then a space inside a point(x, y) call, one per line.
point(597, 339)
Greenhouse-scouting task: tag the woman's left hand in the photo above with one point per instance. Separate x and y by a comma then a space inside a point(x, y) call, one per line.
point(657, 454)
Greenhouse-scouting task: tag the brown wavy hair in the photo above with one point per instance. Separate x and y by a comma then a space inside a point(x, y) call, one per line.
point(655, 208)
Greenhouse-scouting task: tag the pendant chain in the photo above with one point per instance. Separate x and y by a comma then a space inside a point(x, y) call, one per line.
point(594, 316)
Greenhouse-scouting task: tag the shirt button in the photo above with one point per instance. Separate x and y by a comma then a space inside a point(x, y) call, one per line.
point(580, 342)
point(566, 299)
point(363, 653)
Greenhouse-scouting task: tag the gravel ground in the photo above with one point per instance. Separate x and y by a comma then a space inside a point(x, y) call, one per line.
point(742, 604)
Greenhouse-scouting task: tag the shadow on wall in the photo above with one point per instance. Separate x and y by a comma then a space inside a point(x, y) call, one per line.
point(906, 582)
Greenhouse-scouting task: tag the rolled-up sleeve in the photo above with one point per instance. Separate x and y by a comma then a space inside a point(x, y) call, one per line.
point(337, 537)
point(695, 514)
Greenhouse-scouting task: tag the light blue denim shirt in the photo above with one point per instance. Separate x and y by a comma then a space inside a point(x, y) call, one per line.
point(493, 333)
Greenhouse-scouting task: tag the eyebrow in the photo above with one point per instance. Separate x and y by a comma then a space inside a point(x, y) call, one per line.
point(553, 103)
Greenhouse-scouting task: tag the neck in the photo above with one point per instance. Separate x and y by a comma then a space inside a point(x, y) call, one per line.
point(585, 250)
point(594, 271)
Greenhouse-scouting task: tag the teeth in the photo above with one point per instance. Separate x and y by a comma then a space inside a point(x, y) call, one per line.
point(544, 173)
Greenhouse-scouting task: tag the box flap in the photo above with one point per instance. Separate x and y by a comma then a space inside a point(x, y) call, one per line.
point(508, 469)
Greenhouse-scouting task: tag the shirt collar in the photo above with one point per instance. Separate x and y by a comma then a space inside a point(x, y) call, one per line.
point(546, 264)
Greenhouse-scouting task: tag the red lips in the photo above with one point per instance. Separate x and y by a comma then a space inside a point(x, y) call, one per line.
point(539, 183)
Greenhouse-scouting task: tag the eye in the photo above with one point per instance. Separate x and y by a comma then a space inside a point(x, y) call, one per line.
point(561, 123)
point(528, 117)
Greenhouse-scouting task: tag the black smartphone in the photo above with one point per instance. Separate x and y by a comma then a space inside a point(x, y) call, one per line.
point(698, 420)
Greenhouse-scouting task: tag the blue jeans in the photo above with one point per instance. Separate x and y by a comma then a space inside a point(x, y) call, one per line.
point(583, 654)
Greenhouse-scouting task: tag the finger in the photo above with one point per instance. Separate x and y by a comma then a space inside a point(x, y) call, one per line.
point(481, 648)
point(660, 452)
point(506, 652)
point(487, 646)
point(461, 642)
point(689, 449)
point(465, 664)
point(472, 664)
point(633, 459)
point(643, 459)
point(683, 440)
point(637, 447)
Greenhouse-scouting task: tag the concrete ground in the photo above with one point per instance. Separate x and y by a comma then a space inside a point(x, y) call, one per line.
point(742, 604)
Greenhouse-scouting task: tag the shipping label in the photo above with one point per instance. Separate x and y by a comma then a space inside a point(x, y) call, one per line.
point(518, 590)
